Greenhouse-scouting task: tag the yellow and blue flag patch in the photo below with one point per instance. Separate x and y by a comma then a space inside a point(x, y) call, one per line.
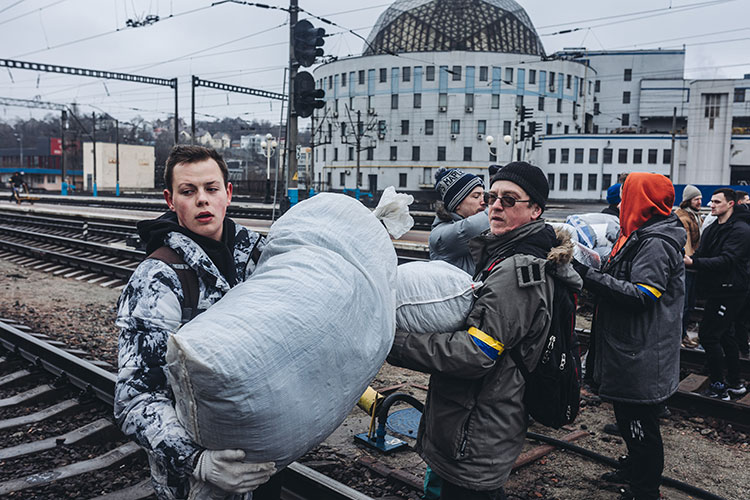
point(491, 347)
point(652, 292)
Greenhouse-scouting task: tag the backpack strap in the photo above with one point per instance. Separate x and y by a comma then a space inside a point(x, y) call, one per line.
point(188, 280)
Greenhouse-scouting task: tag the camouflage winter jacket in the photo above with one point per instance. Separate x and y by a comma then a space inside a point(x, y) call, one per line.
point(149, 310)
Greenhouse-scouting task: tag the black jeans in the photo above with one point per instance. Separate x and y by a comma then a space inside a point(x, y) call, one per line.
point(741, 324)
point(717, 339)
point(689, 300)
point(451, 491)
point(639, 427)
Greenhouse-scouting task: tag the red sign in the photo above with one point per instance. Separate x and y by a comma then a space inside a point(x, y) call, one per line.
point(55, 147)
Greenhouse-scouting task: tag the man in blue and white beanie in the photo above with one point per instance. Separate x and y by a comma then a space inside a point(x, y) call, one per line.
point(459, 217)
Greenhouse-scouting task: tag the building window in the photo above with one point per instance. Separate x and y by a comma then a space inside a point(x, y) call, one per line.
point(350, 153)
point(622, 156)
point(330, 82)
point(430, 73)
point(383, 75)
point(342, 179)
point(549, 129)
point(455, 126)
point(394, 153)
point(467, 153)
point(469, 102)
point(495, 101)
point(637, 156)
point(626, 97)
point(417, 101)
point(52, 178)
point(593, 155)
point(563, 182)
point(606, 181)
point(394, 101)
point(559, 105)
point(483, 74)
point(429, 127)
point(551, 156)
point(625, 120)
point(508, 75)
point(343, 79)
point(404, 127)
point(577, 182)
point(552, 82)
point(596, 109)
point(551, 181)
point(402, 180)
point(607, 157)
point(628, 76)
point(493, 155)
point(540, 104)
point(566, 129)
point(666, 156)
point(506, 127)
point(456, 72)
point(335, 154)
point(406, 73)
point(443, 102)
point(482, 127)
point(578, 158)
point(532, 77)
point(361, 76)
point(739, 95)
point(568, 81)
point(564, 155)
point(370, 153)
point(441, 153)
point(592, 182)
point(652, 153)
point(712, 105)
point(415, 153)
point(343, 129)
point(598, 86)
point(359, 179)
point(427, 176)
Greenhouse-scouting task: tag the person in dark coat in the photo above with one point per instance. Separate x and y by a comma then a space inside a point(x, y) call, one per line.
point(613, 198)
point(722, 265)
point(742, 323)
point(638, 322)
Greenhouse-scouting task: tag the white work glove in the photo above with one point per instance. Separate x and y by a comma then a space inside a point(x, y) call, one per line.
point(225, 469)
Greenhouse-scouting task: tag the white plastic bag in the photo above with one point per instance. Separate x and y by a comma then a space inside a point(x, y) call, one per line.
point(393, 210)
point(276, 365)
point(433, 297)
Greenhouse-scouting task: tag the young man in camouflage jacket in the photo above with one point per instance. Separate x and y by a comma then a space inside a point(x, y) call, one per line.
point(219, 252)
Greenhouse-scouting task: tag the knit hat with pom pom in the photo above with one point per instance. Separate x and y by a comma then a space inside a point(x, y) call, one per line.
point(453, 185)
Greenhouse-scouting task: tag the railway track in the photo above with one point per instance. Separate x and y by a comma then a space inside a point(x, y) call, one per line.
point(60, 441)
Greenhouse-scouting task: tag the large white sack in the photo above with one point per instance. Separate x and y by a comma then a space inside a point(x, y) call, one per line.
point(433, 296)
point(275, 365)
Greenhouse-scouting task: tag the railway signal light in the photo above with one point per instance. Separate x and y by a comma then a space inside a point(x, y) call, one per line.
point(306, 97)
point(307, 42)
point(524, 113)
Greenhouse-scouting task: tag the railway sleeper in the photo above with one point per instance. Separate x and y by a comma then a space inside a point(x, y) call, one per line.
point(62, 408)
point(44, 392)
point(123, 454)
point(99, 430)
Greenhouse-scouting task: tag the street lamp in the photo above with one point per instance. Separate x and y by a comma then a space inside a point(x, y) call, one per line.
point(19, 138)
point(506, 139)
point(267, 149)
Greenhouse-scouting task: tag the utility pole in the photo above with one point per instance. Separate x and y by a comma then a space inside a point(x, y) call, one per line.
point(671, 159)
point(291, 122)
point(93, 149)
point(63, 182)
point(192, 112)
point(117, 157)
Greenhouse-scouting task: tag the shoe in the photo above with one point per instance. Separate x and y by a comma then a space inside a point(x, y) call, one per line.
point(617, 476)
point(612, 429)
point(737, 389)
point(717, 390)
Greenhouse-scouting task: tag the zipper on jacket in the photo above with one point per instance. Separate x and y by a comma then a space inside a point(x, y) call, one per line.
point(464, 437)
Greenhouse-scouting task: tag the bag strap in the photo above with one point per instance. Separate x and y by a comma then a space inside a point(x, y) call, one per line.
point(188, 279)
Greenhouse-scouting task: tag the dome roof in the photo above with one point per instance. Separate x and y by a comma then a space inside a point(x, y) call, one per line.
point(445, 25)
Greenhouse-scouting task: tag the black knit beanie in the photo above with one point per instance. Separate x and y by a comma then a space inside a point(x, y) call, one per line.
point(529, 177)
point(453, 185)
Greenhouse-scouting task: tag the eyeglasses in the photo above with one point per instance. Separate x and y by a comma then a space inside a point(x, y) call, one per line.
point(506, 201)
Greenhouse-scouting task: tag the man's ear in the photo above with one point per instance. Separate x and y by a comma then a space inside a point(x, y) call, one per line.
point(168, 199)
point(536, 212)
point(229, 193)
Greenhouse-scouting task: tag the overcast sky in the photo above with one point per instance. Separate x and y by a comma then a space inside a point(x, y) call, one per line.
point(247, 46)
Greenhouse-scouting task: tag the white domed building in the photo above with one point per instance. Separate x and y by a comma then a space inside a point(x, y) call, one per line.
point(437, 77)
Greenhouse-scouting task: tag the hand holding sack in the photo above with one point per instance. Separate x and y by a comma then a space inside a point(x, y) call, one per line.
point(226, 470)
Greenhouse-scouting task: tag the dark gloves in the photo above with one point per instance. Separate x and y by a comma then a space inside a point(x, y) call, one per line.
point(581, 269)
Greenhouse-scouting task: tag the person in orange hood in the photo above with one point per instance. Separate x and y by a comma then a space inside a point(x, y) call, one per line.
point(638, 322)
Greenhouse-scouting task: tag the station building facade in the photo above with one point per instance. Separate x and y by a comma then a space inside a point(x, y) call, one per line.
point(436, 78)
